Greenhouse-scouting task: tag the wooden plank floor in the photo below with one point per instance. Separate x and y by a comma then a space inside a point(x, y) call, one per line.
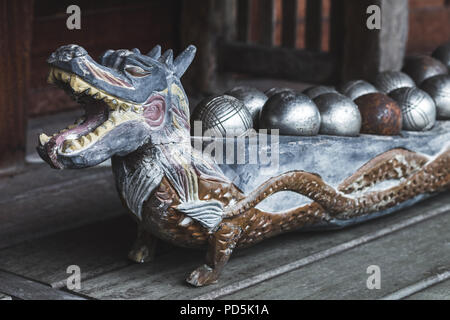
point(50, 220)
point(74, 218)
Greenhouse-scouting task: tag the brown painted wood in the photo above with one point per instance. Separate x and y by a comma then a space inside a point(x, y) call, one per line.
point(277, 62)
point(289, 21)
point(313, 27)
point(15, 43)
point(26, 289)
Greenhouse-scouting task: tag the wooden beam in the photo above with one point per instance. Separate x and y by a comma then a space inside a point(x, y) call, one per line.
point(289, 28)
point(276, 62)
point(243, 20)
point(367, 52)
point(205, 23)
point(15, 45)
point(336, 31)
point(313, 27)
point(267, 22)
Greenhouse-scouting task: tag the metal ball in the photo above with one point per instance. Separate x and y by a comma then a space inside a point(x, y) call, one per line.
point(380, 114)
point(291, 113)
point(421, 67)
point(314, 92)
point(221, 116)
point(356, 88)
point(418, 108)
point(388, 81)
point(438, 88)
point(442, 53)
point(340, 115)
point(252, 98)
point(273, 91)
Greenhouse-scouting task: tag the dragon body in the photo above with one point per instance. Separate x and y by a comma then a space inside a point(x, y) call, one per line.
point(137, 114)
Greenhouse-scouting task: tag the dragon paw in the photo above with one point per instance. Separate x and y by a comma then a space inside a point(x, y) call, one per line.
point(140, 254)
point(202, 276)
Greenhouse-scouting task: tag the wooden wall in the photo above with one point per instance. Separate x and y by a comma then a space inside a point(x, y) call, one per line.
point(105, 24)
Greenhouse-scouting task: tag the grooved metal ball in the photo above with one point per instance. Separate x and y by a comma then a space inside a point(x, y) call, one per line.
point(438, 88)
point(442, 53)
point(421, 67)
point(314, 92)
point(356, 88)
point(222, 115)
point(272, 91)
point(340, 115)
point(292, 113)
point(388, 81)
point(418, 108)
point(252, 98)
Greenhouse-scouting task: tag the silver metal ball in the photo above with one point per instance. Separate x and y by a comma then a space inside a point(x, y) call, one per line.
point(442, 53)
point(388, 81)
point(314, 92)
point(272, 91)
point(421, 67)
point(292, 113)
point(252, 98)
point(222, 115)
point(340, 115)
point(438, 87)
point(356, 88)
point(418, 108)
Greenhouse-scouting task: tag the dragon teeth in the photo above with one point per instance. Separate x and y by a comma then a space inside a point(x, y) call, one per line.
point(43, 138)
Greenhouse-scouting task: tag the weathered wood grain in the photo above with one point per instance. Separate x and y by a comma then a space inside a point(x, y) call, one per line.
point(423, 284)
point(5, 297)
point(48, 208)
point(95, 248)
point(440, 291)
point(404, 257)
point(164, 278)
point(26, 289)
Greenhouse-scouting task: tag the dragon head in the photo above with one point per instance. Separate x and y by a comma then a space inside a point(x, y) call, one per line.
point(129, 98)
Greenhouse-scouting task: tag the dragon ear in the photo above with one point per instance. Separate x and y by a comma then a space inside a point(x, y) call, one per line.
point(167, 58)
point(183, 61)
point(155, 53)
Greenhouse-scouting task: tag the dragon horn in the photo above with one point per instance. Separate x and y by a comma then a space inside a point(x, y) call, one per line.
point(167, 58)
point(155, 53)
point(183, 60)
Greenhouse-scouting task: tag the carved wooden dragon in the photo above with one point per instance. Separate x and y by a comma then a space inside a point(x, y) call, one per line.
point(137, 114)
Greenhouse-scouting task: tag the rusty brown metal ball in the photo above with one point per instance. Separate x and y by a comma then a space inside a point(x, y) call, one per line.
point(421, 67)
point(380, 114)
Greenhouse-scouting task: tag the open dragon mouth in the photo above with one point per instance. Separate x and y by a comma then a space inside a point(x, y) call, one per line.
point(103, 112)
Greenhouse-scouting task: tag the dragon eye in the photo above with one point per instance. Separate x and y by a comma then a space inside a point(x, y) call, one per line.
point(136, 71)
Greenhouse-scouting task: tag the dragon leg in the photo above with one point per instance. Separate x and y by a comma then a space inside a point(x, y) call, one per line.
point(143, 249)
point(220, 246)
